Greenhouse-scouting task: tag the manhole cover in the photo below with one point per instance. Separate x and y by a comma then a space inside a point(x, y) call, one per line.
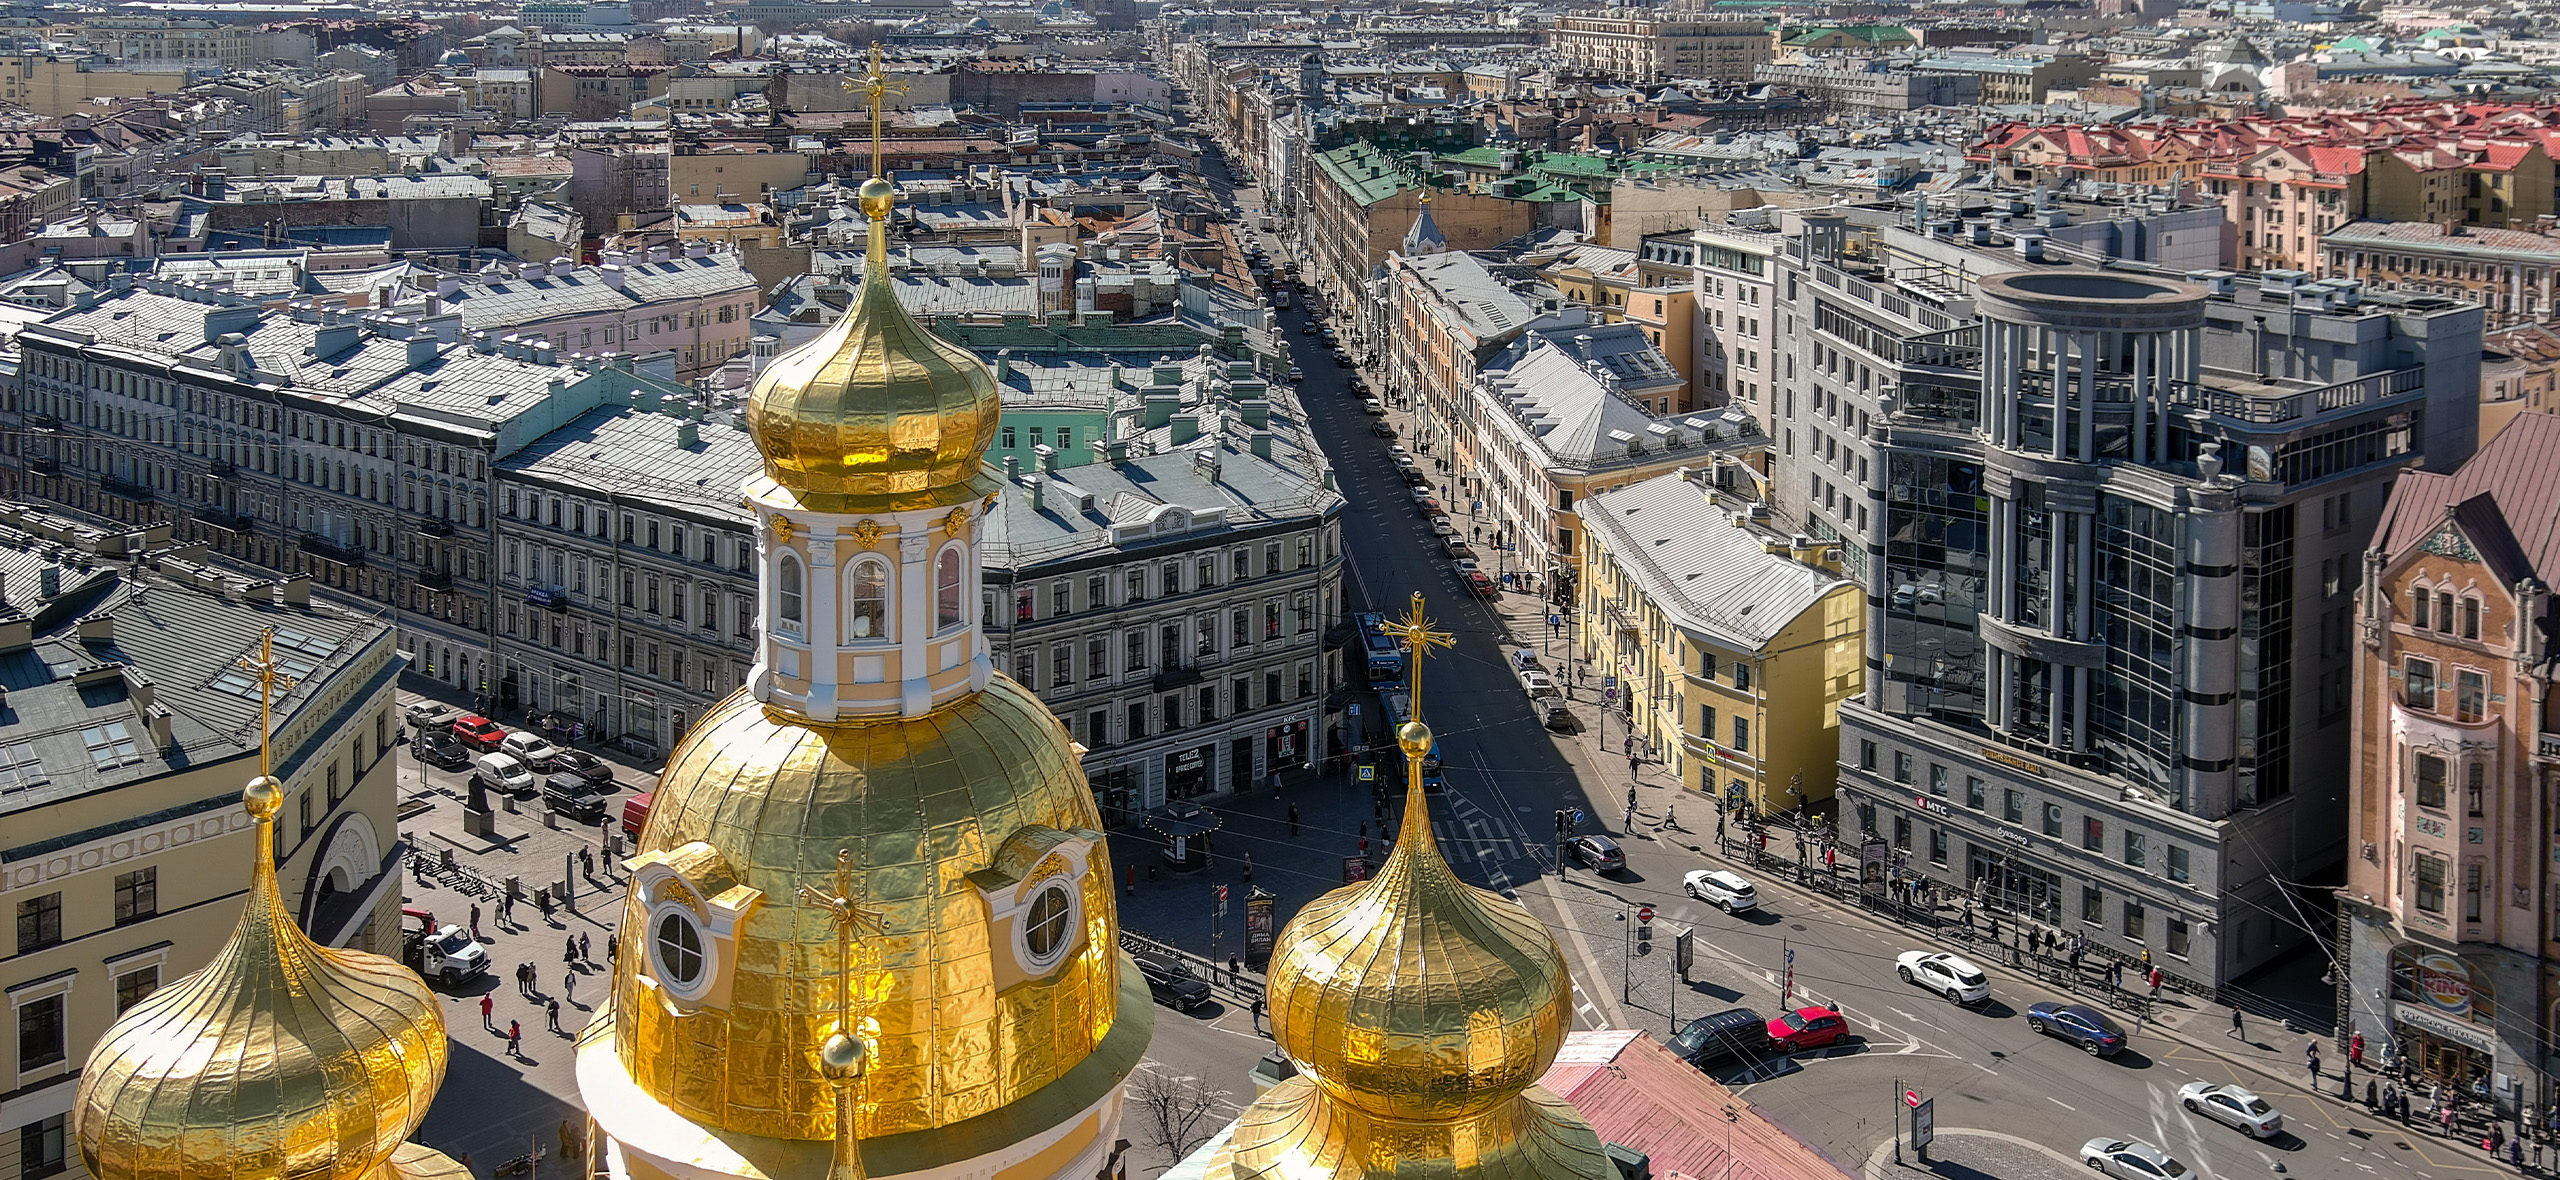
point(2402, 1144)
point(1798, 927)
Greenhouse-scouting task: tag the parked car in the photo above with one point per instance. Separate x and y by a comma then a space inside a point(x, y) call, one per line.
point(444, 953)
point(439, 748)
point(431, 715)
point(1721, 1036)
point(1600, 854)
point(1807, 1028)
point(1328, 335)
point(596, 771)
point(1373, 407)
point(1413, 477)
point(1481, 584)
point(1420, 494)
point(1462, 567)
point(479, 732)
point(2227, 1103)
point(1307, 329)
point(1539, 684)
point(1560, 718)
point(1296, 374)
point(1171, 982)
point(529, 748)
point(1383, 430)
point(1440, 527)
point(1526, 660)
point(2079, 1024)
point(1723, 889)
point(1458, 549)
point(503, 772)
point(635, 813)
point(2132, 1159)
point(1952, 976)
point(569, 795)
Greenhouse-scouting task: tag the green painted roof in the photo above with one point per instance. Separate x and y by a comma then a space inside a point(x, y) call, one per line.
point(1871, 34)
point(1351, 166)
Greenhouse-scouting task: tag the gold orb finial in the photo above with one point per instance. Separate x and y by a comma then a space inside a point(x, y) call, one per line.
point(1414, 738)
point(262, 798)
point(876, 197)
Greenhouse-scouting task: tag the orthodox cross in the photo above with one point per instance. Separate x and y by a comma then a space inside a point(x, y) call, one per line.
point(877, 87)
point(846, 915)
point(1415, 630)
point(263, 669)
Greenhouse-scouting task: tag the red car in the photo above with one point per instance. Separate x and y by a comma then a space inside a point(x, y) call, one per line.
point(1480, 585)
point(479, 732)
point(1807, 1028)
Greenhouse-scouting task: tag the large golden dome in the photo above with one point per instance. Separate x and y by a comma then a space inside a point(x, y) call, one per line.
point(1415, 994)
point(877, 414)
point(281, 1058)
point(938, 813)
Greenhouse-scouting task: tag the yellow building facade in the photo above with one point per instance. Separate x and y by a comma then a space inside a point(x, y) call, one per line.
point(1732, 647)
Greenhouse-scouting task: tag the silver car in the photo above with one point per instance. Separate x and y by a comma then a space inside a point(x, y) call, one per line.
point(2233, 1106)
point(2132, 1159)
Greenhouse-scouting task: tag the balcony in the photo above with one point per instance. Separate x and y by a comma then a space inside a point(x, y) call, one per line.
point(436, 579)
point(127, 488)
point(43, 422)
point(435, 527)
point(2273, 405)
point(1176, 676)
point(329, 550)
point(2547, 747)
point(231, 522)
point(222, 468)
point(43, 466)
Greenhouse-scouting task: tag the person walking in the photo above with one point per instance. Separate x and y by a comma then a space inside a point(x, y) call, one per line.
point(515, 1040)
point(551, 1011)
point(613, 946)
point(570, 955)
point(1235, 970)
point(475, 921)
point(488, 1010)
point(586, 948)
point(2449, 1119)
point(1257, 1013)
point(2311, 1057)
point(2238, 1033)
point(569, 985)
point(2158, 977)
point(1293, 821)
point(1671, 816)
point(2355, 1051)
point(1248, 866)
point(587, 862)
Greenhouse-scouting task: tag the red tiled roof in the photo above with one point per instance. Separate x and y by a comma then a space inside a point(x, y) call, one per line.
point(1635, 1093)
point(2506, 498)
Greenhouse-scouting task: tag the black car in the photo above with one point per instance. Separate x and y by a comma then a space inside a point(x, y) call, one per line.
point(1171, 982)
point(569, 795)
point(595, 771)
point(441, 749)
point(2079, 1024)
point(1307, 329)
point(1598, 853)
point(1722, 1036)
point(1382, 430)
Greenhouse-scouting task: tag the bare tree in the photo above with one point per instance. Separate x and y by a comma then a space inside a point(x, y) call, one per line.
point(1175, 1114)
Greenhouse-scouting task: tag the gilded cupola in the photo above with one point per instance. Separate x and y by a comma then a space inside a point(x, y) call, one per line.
point(877, 414)
point(281, 1058)
point(1420, 1012)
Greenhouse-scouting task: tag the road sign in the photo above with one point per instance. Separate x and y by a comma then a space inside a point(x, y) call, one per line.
point(1355, 709)
point(1910, 1098)
point(1368, 774)
point(1924, 1124)
point(1684, 951)
point(1222, 901)
point(1577, 815)
point(1644, 914)
point(1791, 956)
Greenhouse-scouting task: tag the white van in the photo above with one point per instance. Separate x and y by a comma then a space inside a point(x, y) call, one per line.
point(535, 752)
point(503, 772)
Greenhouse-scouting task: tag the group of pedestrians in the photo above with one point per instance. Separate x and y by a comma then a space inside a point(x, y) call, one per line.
point(578, 954)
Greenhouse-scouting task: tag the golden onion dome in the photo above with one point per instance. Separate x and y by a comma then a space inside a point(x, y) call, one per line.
point(759, 801)
point(1414, 995)
point(281, 1058)
point(877, 414)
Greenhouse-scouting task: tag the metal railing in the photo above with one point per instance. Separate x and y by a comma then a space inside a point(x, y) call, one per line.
point(2293, 407)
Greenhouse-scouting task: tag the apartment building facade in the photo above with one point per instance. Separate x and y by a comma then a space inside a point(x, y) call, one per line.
point(2058, 513)
point(2510, 273)
point(2450, 917)
point(1640, 45)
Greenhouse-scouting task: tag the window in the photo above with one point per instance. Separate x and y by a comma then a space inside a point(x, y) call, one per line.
point(1046, 924)
point(2418, 689)
point(134, 986)
point(43, 1149)
point(1866, 749)
point(1902, 831)
point(2177, 863)
point(1938, 846)
point(2013, 806)
point(2444, 612)
point(2470, 695)
point(868, 614)
point(1097, 657)
point(138, 892)
point(1707, 721)
point(946, 589)
point(2093, 904)
point(2470, 617)
point(676, 946)
point(2429, 870)
point(1136, 587)
point(1026, 667)
point(1058, 599)
point(2132, 920)
point(1137, 720)
point(111, 745)
point(2053, 819)
point(1937, 780)
point(2418, 600)
point(2093, 833)
point(1973, 792)
point(40, 1033)
point(2471, 878)
point(1901, 762)
point(2137, 850)
point(1097, 592)
point(2178, 946)
point(1742, 734)
point(1172, 711)
point(39, 922)
point(2430, 779)
point(1741, 676)
point(787, 592)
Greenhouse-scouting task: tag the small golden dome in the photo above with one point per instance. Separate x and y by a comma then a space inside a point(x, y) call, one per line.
point(877, 414)
point(1415, 995)
point(922, 803)
point(280, 1058)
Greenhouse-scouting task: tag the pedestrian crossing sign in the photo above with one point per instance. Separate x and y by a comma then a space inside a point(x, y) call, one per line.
point(1368, 774)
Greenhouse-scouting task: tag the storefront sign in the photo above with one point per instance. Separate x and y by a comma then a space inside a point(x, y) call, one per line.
point(2467, 1036)
point(1257, 926)
point(2013, 836)
point(2012, 761)
point(2444, 984)
point(1871, 879)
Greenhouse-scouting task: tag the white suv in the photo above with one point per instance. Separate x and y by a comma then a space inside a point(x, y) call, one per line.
point(1722, 889)
point(1952, 976)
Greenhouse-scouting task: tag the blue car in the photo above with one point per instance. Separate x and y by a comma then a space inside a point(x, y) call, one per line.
point(2079, 1024)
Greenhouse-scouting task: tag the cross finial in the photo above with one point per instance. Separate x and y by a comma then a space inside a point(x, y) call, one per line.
point(843, 1057)
point(1415, 630)
point(877, 87)
point(263, 668)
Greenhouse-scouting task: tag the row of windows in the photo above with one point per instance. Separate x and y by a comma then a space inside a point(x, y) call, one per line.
point(2134, 848)
point(1162, 579)
point(672, 538)
point(2418, 690)
point(2133, 915)
point(2436, 610)
point(1166, 714)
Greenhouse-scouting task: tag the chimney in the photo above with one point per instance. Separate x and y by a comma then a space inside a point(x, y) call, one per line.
point(98, 627)
point(1031, 483)
point(1186, 427)
point(156, 719)
point(614, 275)
point(1160, 403)
point(1261, 444)
point(423, 348)
point(1013, 469)
point(295, 591)
point(1206, 463)
point(1046, 458)
point(1004, 365)
point(688, 434)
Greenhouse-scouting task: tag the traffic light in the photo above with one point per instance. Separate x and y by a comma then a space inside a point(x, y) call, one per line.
point(1562, 822)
